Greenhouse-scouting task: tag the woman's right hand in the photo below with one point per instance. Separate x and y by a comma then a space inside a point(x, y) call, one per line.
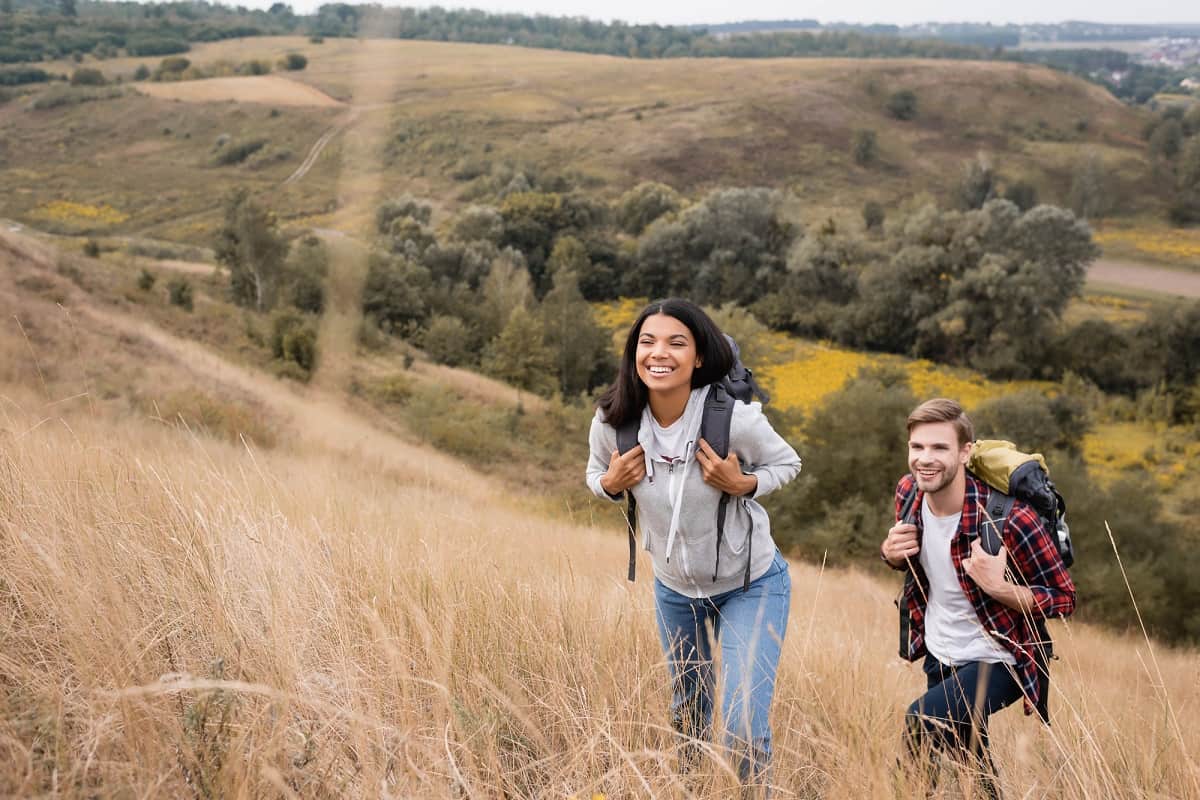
point(624, 471)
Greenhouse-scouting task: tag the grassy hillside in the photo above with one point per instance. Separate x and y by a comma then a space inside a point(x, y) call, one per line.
point(451, 118)
point(328, 608)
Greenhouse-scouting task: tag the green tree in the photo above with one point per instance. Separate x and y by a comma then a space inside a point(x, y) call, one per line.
point(1022, 194)
point(1090, 197)
point(581, 350)
point(1033, 421)
point(977, 184)
point(519, 355)
point(1185, 204)
point(307, 267)
point(645, 203)
point(448, 341)
point(1167, 139)
point(395, 293)
point(250, 246)
point(478, 224)
point(505, 289)
point(403, 207)
point(858, 437)
point(569, 254)
point(732, 246)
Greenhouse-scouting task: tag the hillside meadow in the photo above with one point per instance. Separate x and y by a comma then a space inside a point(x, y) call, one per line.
point(193, 616)
point(220, 584)
point(453, 119)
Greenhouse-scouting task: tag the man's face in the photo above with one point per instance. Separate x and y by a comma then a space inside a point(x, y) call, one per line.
point(935, 456)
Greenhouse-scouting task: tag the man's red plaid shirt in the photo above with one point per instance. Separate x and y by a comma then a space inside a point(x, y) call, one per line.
point(1033, 561)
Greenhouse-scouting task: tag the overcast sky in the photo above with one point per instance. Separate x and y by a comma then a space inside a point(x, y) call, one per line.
point(682, 12)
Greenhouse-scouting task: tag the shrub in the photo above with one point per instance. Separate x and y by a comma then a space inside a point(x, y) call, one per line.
point(254, 67)
point(171, 67)
point(179, 292)
point(873, 215)
point(88, 76)
point(865, 148)
point(902, 105)
point(403, 206)
point(294, 339)
point(15, 76)
point(146, 280)
point(155, 46)
point(1022, 194)
point(645, 203)
point(237, 152)
point(293, 62)
point(142, 73)
point(91, 248)
point(60, 96)
point(448, 341)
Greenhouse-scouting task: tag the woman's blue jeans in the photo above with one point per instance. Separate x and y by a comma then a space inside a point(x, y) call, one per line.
point(748, 627)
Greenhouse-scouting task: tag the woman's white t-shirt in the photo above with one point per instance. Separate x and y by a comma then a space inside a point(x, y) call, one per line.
point(953, 633)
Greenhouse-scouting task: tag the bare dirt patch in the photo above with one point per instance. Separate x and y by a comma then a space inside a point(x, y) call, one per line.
point(1139, 276)
point(265, 89)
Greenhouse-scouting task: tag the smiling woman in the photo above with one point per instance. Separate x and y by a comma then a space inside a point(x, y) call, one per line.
point(673, 356)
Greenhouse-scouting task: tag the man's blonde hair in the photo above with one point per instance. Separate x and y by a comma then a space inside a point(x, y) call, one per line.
point(943, 409)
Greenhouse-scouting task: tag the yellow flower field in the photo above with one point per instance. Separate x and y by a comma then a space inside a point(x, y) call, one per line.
point(79, 213)
point(1163, 243)
point(818, 370)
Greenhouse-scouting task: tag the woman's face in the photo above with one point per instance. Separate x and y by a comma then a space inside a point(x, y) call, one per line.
point(666, 354)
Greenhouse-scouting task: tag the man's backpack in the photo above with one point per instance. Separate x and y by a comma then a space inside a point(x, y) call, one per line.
point(738, 384)
point(1012, 475)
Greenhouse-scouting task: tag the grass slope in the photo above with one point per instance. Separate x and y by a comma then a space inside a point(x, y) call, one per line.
point(446, 110)
point(342, 612)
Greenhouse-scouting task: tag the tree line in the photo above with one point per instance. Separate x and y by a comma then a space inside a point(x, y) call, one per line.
point(508, 290)
point(37, 30)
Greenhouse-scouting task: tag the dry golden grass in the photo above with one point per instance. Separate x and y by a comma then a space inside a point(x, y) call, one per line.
point(272, 90)
point(193, 617)
point(349, 614)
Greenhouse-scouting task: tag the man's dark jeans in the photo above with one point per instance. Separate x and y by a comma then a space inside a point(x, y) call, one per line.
point(952, 716)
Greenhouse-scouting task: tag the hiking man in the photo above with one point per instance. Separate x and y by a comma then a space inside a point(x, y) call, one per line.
point(971, 615)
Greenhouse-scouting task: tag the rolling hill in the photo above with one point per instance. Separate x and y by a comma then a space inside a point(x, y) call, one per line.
point(445, 120)
point(218, 583)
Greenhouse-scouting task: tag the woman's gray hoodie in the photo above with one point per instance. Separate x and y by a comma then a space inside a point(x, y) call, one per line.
point(680, 530)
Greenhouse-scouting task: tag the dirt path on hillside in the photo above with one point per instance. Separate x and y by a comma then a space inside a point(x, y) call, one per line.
point(315, 151)
point(1178, 282)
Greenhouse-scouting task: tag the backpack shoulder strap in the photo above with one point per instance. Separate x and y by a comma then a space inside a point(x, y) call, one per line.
point(991, 530)
point(627, 434)
point(627, 439)
point(717, 418)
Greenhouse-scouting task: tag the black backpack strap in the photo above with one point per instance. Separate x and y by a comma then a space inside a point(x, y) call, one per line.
point(714, 429)
point(627, 439)
point(991, 530)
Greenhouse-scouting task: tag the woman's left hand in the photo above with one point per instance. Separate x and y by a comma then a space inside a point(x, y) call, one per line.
point(724, 473)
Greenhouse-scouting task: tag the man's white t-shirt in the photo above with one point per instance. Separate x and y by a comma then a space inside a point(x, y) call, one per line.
point(953, 633)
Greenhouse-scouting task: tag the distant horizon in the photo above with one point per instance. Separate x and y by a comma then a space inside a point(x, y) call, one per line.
point(827, 12)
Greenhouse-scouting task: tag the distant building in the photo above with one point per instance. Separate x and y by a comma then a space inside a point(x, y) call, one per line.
point(1191, 84)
